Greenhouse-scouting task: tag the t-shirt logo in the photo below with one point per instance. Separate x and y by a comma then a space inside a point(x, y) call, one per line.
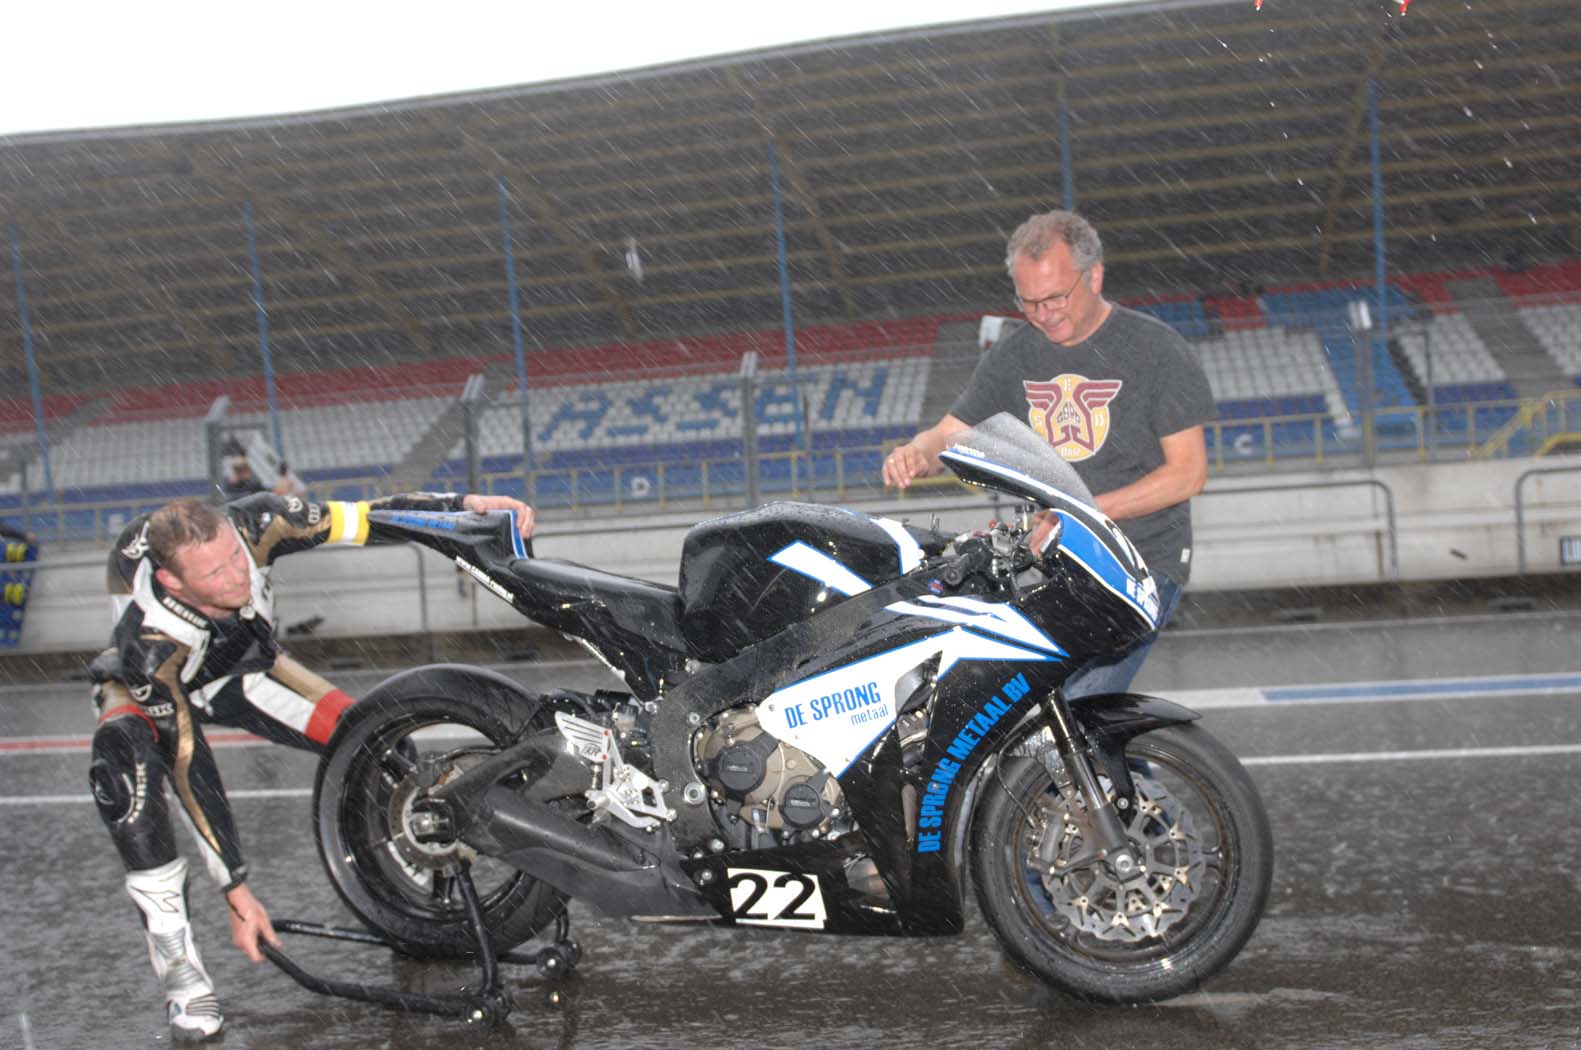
point(1072, 412)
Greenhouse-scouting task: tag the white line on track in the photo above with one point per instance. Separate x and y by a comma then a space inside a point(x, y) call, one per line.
point(1410, 756)
point(1429, 755)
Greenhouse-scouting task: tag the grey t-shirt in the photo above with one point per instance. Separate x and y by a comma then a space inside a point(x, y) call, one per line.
point(1103, 404)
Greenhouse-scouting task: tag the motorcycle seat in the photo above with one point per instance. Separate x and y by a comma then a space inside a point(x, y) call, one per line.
point(638, 607)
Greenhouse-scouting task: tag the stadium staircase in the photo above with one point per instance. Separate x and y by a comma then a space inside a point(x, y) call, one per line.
point(1531, 370)
point(1324, 311)
point(416, 469)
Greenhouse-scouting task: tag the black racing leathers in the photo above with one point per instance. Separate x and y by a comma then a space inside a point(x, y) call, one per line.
point(171, 669)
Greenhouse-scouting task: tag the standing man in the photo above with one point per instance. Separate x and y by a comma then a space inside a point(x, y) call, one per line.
point(240, 481)
point(195, 643)
point(1118, 394)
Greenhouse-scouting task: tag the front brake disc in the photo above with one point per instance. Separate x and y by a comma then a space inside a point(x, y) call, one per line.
point(1094, 900)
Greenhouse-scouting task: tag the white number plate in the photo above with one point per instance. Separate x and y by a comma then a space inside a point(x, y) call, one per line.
point(776, 898)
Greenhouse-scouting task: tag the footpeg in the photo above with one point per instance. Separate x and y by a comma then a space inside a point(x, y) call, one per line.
point(619, 790)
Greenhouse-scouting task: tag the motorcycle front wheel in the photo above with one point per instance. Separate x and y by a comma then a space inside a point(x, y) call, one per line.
point(367, 815)
point(1206, 852)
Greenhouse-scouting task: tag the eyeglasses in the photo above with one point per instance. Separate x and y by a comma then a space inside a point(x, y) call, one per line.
point(1053, 302)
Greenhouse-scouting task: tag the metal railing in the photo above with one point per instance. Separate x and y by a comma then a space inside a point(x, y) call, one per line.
point(1556, 412)
point(840, 474)
point(1520, 509)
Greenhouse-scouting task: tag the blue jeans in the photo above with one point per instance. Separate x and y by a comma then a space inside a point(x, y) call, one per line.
point(1113, 674)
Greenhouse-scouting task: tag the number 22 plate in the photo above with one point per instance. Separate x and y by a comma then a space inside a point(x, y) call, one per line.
point(776, 898)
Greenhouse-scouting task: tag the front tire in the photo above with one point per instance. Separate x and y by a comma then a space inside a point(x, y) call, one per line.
point(363, 806)
point(1202, 834)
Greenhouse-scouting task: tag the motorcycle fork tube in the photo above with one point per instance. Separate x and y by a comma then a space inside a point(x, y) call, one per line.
point(1110, 842)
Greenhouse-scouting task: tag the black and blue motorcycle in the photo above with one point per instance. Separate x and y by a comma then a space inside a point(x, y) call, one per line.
point(834, 723)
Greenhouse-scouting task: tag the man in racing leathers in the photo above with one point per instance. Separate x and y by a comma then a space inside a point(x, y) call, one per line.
point(195, 643)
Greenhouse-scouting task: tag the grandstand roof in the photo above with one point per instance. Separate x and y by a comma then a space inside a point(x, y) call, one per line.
point(1212, 144)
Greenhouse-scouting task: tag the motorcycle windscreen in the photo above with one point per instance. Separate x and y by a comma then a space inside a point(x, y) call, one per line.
point(1003, 453)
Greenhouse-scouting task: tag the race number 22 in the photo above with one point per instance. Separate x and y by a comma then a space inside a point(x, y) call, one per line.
point(776, 898)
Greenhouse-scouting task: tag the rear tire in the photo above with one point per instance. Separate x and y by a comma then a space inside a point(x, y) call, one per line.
point(404, 890)
point(1203, 836)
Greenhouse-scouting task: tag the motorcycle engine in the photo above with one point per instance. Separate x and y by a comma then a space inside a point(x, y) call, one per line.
point(760, 786)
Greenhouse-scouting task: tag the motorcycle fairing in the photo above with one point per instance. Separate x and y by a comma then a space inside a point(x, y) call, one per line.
point(837, 714)
point(818, 867)
point(993, 618)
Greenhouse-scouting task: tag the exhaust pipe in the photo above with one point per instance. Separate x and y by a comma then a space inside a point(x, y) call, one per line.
point(590, 864)
point(638, 874)
point(515, 823)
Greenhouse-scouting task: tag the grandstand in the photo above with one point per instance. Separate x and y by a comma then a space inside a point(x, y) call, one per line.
point(1222, 151)
point(1558, 328)
point(673, 429)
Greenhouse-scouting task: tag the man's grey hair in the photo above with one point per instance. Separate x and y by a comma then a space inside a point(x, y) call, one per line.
point(1041, 232)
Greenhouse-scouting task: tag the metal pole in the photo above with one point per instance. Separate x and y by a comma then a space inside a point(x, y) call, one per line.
point(516, 335)
point(263, 329)
point(785, 294)
point(749, 425)
point(1067, 176)
point(1361, 340)
point(213, 428)
point(1382, 328)
point(472, 420)
point(32, 362)
point(1432, 400)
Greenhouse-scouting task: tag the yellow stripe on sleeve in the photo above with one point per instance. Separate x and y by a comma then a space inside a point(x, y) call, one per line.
point(348, 522)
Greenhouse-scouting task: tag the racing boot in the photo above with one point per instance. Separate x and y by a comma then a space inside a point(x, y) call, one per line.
point(190, 1004)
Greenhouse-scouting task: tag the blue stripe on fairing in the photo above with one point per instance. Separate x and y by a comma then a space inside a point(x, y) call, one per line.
point(1084, 545)
point(516, 536)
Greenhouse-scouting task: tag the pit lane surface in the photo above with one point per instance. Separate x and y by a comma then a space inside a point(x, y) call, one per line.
point(1426, 891)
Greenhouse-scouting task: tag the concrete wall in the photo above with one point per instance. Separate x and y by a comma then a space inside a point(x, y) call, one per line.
point(1453, 521)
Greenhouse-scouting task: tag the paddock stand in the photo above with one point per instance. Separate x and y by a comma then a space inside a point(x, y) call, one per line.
point(486, 1007)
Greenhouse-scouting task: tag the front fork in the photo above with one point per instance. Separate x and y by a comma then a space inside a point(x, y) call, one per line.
point(1104, 838)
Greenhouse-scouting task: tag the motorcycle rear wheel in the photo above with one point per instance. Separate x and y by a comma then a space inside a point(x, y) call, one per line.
point(1200, 830)
point(403, 889)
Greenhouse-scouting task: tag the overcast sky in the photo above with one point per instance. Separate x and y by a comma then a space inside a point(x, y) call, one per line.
point(72, 64)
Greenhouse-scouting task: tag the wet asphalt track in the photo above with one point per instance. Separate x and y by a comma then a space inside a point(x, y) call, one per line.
point(1426, 899)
